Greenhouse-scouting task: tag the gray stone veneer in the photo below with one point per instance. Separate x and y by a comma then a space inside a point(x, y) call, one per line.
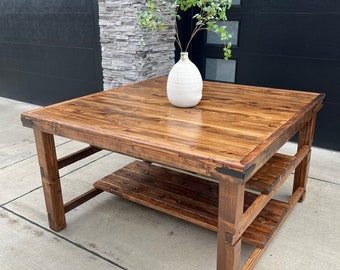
point(125, 59)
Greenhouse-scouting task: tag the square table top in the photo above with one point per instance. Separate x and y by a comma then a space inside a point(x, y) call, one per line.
point(236, 127)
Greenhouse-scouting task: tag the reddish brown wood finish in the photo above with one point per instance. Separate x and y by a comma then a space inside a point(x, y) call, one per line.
point(234, 126)
point(50, 180)
point(231, 137)
point(305, 138)
point(79, 155)
point(81, 199)
point(188, 197)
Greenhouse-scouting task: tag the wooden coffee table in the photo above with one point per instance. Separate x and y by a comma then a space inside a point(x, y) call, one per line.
point(228, 143)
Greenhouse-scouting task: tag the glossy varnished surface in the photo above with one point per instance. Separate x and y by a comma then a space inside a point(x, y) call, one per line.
point(235, 127)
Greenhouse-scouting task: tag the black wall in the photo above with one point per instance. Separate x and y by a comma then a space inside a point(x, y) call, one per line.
point(49, 50)
point(289, 44)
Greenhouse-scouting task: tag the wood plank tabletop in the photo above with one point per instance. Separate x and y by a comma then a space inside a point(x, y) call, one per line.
point(235, 127)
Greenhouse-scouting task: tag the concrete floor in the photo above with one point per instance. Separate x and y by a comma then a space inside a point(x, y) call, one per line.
point(111, 233)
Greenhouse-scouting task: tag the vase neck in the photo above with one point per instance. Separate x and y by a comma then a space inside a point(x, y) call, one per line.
point(184, 55)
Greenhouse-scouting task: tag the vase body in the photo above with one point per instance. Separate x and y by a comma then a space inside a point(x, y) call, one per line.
point(184, 85)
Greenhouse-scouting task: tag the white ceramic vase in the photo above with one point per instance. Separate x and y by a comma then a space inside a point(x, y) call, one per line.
point(184, 85)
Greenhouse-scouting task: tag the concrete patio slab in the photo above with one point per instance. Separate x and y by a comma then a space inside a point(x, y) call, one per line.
point(137, 237)
point(24, 245)
point(308, 239)
point(324, 164)
point(16, 141)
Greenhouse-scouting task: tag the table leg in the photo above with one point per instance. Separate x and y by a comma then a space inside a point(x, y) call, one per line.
point(306, 136)
point(50, 180)
point(230, 211)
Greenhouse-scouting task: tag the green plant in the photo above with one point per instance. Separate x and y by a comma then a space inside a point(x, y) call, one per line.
point(209, 12)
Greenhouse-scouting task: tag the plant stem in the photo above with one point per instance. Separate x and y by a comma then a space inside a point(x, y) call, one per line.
point(197, 29)
point(178, 41)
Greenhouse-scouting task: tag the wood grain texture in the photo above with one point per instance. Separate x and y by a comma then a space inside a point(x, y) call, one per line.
point(306, 136)
point(233, 127)
point(187, 197)
point(79, 155)
point(50, 180)
point(232, 137)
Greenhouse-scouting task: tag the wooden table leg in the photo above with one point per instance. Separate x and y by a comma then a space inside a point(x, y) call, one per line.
point(230, 211)
point(306, 136)
point(50, 180)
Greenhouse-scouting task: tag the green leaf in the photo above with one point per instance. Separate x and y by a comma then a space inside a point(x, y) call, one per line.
point(209, 12)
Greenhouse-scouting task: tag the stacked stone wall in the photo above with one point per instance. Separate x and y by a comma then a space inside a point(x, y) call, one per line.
point(130, 54)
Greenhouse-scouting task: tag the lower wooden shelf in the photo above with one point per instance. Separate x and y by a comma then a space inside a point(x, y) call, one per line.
point(187, 197)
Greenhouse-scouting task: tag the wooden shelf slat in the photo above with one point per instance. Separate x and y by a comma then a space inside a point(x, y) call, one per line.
point(276, 170)
point(187, 197)
point(265, 179)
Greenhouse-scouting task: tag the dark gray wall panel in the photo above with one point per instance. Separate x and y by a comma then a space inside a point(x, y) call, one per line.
point(68, 62)
point(299, 73)
point(327, 126)
point(41, 89)
point(45, 6)
point(54, 42)
point(59, 29)
point(300, 35)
